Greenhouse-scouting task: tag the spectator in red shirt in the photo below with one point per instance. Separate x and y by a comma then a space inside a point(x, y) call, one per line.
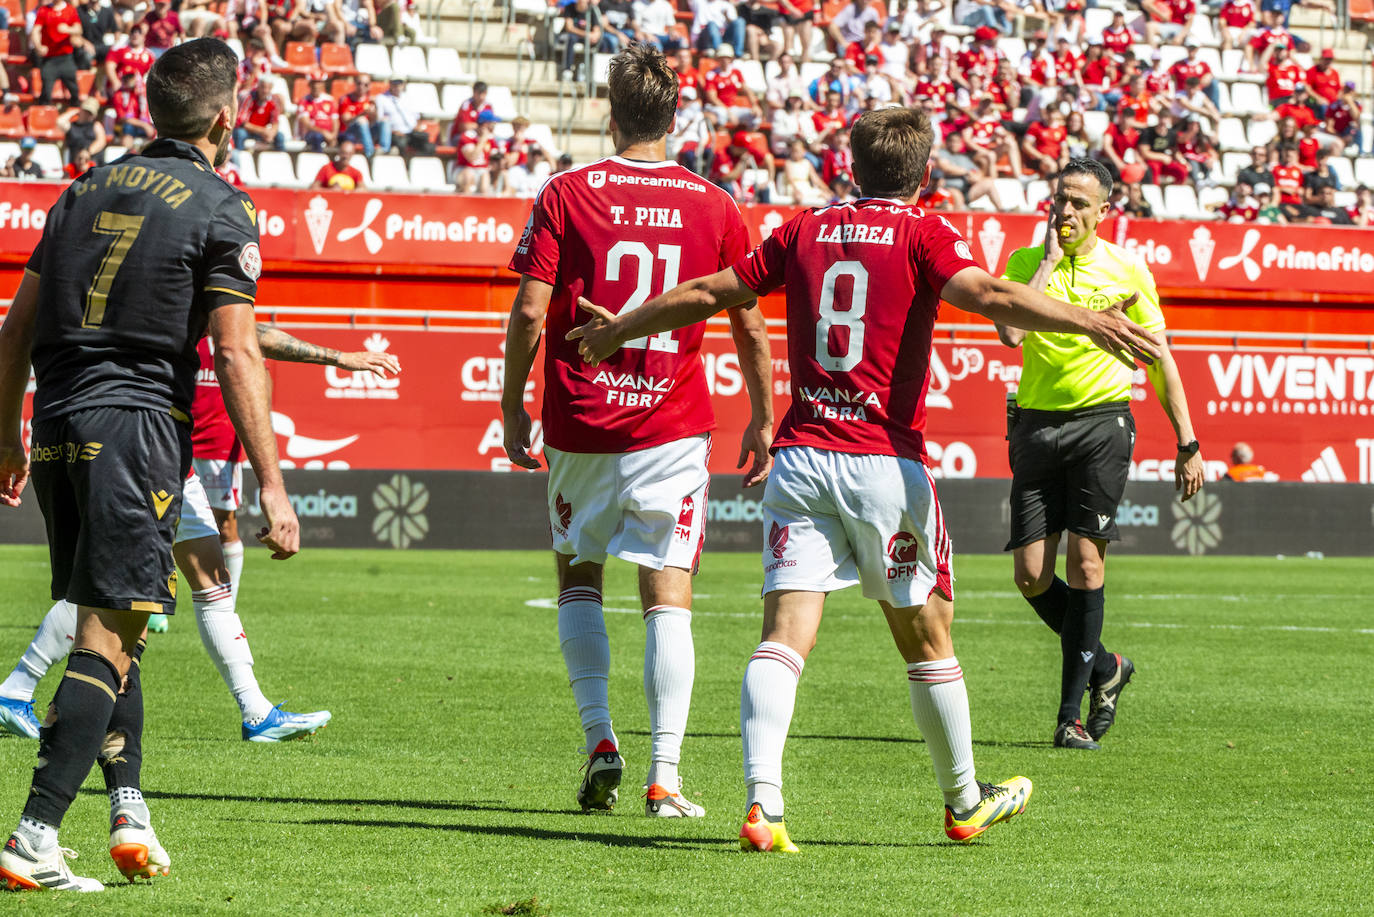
point(55, 37)
point(1236, 23)
point(1043, 146)
point(164, 27)
point(1301, 107)
point(1067, 62)
point(317, 115)
point(130, 107)
point(473, 106)
point(1168, 20)
point(855, 54)
point(687, 75)
point(838, 158)
point(79, 166)
point(135, 58)
point(1343, 117)
point(1288, 175)
point(258, 120)
point(357, 114)
point(1362, 214)
point(1323, 79)
point(1120, 137)
point(1136, 101)
point(1268, 40)
point(731, 165)
point(1284, 76)
point(989, 141)
point(230, 173)
point(1191, 66)
point(1158, 149)
point(1117, 37)
point(472, 164)
point(830, 119)
point(724, 90)
point(338, 174)
point(1037, 64)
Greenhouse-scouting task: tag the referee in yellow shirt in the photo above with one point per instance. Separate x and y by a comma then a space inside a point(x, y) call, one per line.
point(1071, 434)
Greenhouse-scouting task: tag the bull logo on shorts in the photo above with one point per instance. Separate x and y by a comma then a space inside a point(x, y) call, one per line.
point(777, 540)
point(903, 548)
point(564, 509)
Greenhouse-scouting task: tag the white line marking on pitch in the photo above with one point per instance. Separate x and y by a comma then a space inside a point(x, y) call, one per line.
point(552, 605)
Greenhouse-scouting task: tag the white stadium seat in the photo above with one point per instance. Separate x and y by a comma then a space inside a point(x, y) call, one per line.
point(1155, 198)
point(1231, 135)
point(1012, 194)
point(1095, 21)
point(409, 61)
point(248, 169)
point(1345, 198)
point(427, 174)
point(424, 98)
point(49, 158)
point(1036, 192)
point(389, 173)
point(1231, 164)
point(1211, 198)
point(1170, 55)
point(455, 94)
point(753, 76)
point(373, 59)
point(542, 134)
point(1223, 96)
point(446, 66)
point(1096, 123)
point(502, 102)
point(1261, 132)
point(308, 165)
point(1180, 203)
point(1246, 99)
point(1364, 171)
point(1344, 171)
point(1212, 58)
point(276, 169)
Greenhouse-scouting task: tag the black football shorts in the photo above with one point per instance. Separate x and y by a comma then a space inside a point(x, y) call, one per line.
point(109, 482)
point(1068, 471)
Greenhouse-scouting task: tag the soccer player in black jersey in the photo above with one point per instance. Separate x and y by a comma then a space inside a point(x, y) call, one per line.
point(137, 260)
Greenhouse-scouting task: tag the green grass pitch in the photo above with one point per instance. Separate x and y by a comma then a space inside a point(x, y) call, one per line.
point(1235, 781)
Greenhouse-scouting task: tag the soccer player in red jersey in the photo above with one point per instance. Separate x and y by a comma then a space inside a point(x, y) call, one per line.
point(627, 441)
point(850, 500)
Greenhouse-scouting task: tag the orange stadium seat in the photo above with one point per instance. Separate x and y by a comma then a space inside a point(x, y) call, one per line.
point(16, 9)
point(336, 58)
point(300, 57)
point(43, 122)
point(341, 86)
point(12, 121)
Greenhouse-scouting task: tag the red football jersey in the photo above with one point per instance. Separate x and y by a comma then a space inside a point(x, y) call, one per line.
point(1282, 79)
point(1288, 181)
point(131, 60)
point(1237, 14)
point(351, 107)
point(620, 232)
point(725, 83)
point(319, 111)
point(863, 288)
point(49, 20)
point(1117, 40)
point(212, 434)
point(1325, 85)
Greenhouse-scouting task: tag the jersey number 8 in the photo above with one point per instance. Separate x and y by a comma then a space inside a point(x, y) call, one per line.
point(851, 319)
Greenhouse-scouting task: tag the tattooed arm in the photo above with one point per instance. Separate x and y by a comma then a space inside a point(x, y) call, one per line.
point(278, 345)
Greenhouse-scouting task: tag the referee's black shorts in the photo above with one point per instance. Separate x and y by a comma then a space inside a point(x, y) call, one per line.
point(1068, 471)
point(109, 483)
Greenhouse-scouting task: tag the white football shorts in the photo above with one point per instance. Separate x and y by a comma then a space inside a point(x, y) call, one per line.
point(646, 507)
point(223, 482)
point(833, 519)
point(197, 521)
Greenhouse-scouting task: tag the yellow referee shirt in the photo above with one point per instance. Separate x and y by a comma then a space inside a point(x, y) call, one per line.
point(1066, 372)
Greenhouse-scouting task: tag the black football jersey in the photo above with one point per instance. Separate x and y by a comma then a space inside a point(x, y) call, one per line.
point(133, 257)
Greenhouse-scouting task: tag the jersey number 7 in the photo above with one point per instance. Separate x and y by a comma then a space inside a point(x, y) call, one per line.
point(125, 229)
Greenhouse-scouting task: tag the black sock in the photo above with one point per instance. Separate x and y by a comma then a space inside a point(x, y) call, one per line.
point(1050, 604)
point(80, 716)
point(121, 757)
point(1080, 643)
point(1104, 667)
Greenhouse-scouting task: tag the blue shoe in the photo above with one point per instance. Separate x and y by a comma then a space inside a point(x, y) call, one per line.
point(157, 624)
point(16, 717)
point(281, 725)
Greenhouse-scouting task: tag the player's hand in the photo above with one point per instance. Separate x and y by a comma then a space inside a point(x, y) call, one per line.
point(1188, 476)
point(283, 531)
point(1119, 336)
point(14, 474)
point(1054, 249)
point(598, 335)
point(365, 360)
point(756, 442)
point(517, 435)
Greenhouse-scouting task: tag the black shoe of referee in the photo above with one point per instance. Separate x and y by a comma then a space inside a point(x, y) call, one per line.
point(1102, 703)
point(1072, 735)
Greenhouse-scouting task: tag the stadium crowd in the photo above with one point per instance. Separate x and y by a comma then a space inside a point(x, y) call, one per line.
point(769, 92)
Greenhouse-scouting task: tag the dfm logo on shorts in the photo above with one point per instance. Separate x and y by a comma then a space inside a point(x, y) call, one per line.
point(777, 545)
point(903, 550)
point(683, 530)
point(564, 510)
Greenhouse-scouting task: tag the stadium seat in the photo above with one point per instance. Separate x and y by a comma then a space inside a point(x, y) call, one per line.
point(49, 158)
point(276, 169)
point(409, 61)
point(424, 98)
point(1344, 171)
point(1202, 31)
point(1212, 58)
point(12, 122)
point(813, 70)
point(374, 60)
point(753, 75)
point(336, 59)
point(1345, 198)
point(236, 46)
point(1171, 54)
point(1246, 99)
point(1155, 198)
point(427, 174)
point(8, 150)
point(42, 123)
point(1231, 164)
point(1096, 20)
point(389, 173)
point(1364, 171)
point(542, 134)
point(359, 162)
point(982, 205)
point(1180, 202)
point(502, 102)
point(1223, 96)
point(300, 58)
point(1013, 48)
point(1231, 135)
point(1231, 62)
point(1012, 194)
point(308, 165)
point(248, 169)
point(1095, 123)
point(1208, 199)
point(1037, 191)
point(1261, 132)
point(446, 66)
point(454, 95)
point(601, 68)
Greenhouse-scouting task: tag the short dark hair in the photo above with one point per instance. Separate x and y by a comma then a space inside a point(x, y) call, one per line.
point(188, 86)
point(479, 86)
point(891, 151)
point(643, 93)
point(1081, 165)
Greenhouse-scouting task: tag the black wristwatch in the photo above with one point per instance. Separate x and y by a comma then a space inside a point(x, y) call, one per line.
point(1189, 448)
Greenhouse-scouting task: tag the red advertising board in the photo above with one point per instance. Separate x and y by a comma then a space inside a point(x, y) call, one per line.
point(449, 230)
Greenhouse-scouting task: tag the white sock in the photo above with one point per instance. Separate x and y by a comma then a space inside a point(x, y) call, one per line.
point(52, 642)
point(766, 703)
point(222, 633)
point(587, 653)
point(669, 670)
point(41, 836)
point(233, 559)
point(939, 702)
point(127, 797)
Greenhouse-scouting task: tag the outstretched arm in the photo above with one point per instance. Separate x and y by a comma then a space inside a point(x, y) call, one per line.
point(278, 345)
point(683, 305)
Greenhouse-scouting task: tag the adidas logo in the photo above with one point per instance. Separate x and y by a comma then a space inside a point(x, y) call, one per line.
point(1326, 469)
